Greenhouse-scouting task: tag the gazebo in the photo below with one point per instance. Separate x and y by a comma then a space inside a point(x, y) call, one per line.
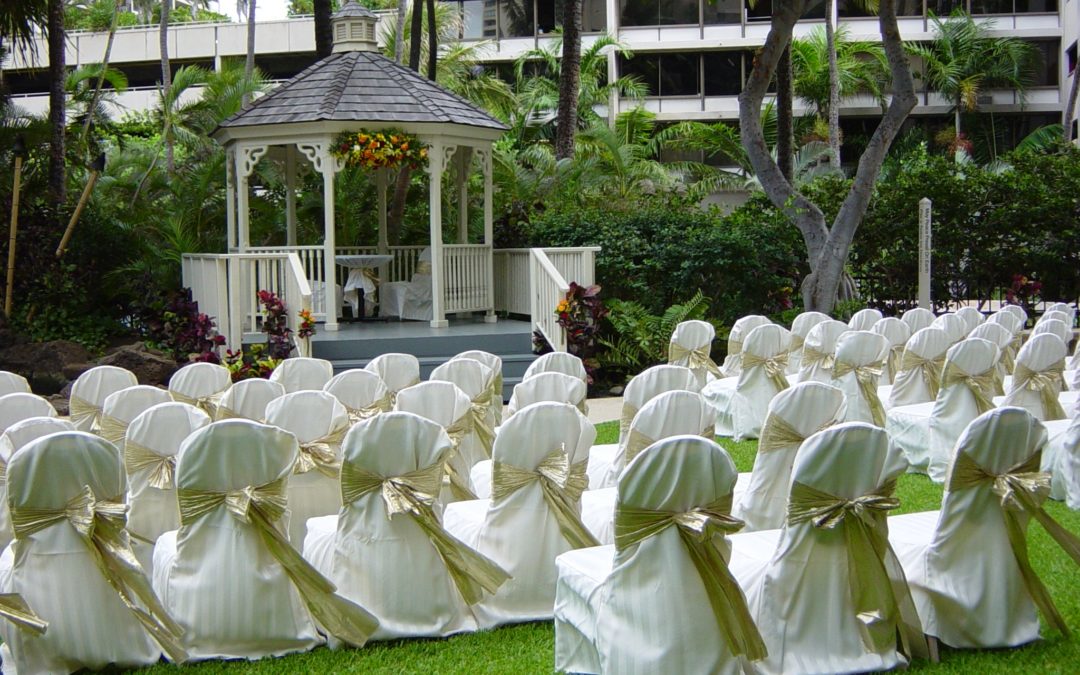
point(357, 87)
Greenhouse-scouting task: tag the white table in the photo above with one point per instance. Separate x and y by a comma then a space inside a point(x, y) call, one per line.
point(361, 278)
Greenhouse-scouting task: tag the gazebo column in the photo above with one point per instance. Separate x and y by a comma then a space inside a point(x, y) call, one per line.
point(436, 163)
point(489, 230)
point(318, 153)
point(464, 161)
point(290, 195)
point(246, 159)
point(230, 197)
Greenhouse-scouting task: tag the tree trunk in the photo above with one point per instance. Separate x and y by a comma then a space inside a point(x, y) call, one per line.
point(404, 177)
point(834, 85)
point(324, 32)
point(101, 78)
point(785, 116)
point(1070, 107)
point(433, 41)
point(569, 81)
point(399, 31)
point(827, 247)
point(57, 102)
point(249, 60)
point(415, 37)
point(166, 79)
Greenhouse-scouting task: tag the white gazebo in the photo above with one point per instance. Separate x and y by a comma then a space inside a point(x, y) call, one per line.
point(357, 87)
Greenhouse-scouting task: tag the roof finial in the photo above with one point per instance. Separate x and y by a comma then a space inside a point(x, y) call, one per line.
point(354, 28)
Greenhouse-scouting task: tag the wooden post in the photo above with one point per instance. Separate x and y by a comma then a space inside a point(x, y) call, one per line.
point(925, 239)
point(9, 291)
point(436, 163)
point(96, 168)
point(329, 243)
point(290, 195)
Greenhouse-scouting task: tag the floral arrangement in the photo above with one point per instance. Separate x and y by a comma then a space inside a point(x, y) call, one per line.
point(307, 324)
point(580, 314)
point(250, 363)
point(1023, 291)
point(386, 149)
point(276, 325)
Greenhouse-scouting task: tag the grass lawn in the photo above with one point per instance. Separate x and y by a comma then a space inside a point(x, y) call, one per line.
point(529, 648)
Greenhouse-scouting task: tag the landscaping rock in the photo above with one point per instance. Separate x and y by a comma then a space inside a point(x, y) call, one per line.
point(617, 390)
point(149, 365)
point(60, 402)
point(44, 364)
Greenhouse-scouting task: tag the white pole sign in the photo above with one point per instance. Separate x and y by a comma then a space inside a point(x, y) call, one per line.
point(924, 252)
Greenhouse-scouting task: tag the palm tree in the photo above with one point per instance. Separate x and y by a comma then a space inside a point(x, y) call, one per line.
point(324, 35)
point(166, 73)
point(622, 159)
point(964, 60)
point(88, 102)
point(248, 7)
point(104, 70)
point(57, 96)
point(569, 75)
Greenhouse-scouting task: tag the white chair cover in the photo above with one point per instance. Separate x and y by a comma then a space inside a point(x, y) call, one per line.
point(794, 415)
point(917, 318)
point(801, 598)
point(920, 368)
point(14, 437)
point(800, 328)
point(819, 350)
point(690, 347)
point(547, 387)
point(673, 413)
point(953, 325)
point(1054, 327)
point(558, 362)
point(150, 448)
point(13, 383)
point(897, 333)
point(860, 360)
point(303, 374)
point(1042, 359)
point(409, 299)
point(740, 411)
point(125, 405)
point(644, 608)
point(518, 528)
point(1018, 312)
point(247, 399)
point(319, 421)
point(57, 569)
point(22, 406)
point(204, 572)
point(1062, 316)
point(397, 371)
point(964, 577)
point(495, 364)
point(864, 319)
point(733, 361)
point(381, 559)
point(972, 317)
point(1000, 336)
point(90, 390)
point(200, 384)
point(640, 390)
point(1008, 320)
point(445, 404)
point(1061, 459)
point(362, 392)
point(473, 378)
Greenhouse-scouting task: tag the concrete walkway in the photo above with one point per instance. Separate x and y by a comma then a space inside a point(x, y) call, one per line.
point(605, 409)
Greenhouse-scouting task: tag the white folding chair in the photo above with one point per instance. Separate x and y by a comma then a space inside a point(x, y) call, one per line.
point(897, 333)
point(548, 387)
point(13, 383)
point(661, 594)
point(303, 374)
point(819, 350)
point(1000, 336)
point(800, 328)
point(231, 480)
point(953, 325)
point(201, 385)
point(1061, 459)
point(14, 437)
point(859, 362)
point(473, 378)
point(362, 392)
point(971, 316)
point(864, 319)
point(740, 411)
point(387, 549)
point(691, 347)
point(539, 470)
point(1015, 326)
point(1056, 314)
point(1053, 327)
point(397, 371)
point(22, 406)
point(125, 405)
point(558, 362)
point(319, 422)
point(445, 404)
point(90, 390)
point(72, 563)
point(917, 318)
point(153, 438)
point(1018, 312)
point(919, 377)
point(733, 361)
point(247, 399)
point(495, 364)
point(1037, 378)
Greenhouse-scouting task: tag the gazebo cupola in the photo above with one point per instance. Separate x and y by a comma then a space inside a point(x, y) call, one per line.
point(354, 29)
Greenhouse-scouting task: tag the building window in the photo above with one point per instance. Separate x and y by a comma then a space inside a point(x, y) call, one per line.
point(723, 73)
point(644, 67)
point(679, 13)
point(1070, 58)
point(680, 74)
point(722, 12)
point(1047, 63)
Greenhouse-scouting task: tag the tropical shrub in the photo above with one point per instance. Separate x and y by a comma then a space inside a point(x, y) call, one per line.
point(580, 314)
point(175, 326)
point(638, 339)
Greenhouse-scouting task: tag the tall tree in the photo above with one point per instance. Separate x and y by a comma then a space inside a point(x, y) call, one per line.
point(324, 32)
point(399, 30)
point(57, 100)
point(569, 79)
point(166, 75)
point(248, 7)
point(113, 23)
point(785, 115)
point(827, 246)
point(834, 85)
point(433, 40)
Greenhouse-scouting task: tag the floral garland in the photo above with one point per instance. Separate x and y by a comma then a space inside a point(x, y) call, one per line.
point(386, 149)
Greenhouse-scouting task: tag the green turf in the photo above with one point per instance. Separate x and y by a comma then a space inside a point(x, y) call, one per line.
point(529, 648)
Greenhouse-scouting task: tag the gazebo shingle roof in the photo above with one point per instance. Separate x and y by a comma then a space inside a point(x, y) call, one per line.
point(360, 86)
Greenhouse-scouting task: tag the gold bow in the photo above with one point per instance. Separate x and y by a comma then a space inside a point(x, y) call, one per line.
point(1022, 490)
point(930, 369)
point(110, 428)
point(460, 487)
point(394, 392)
point(775, 367)
point(561, 484)
point(696, 360)
point(413, 494)
point(629, 411)
point(879, 591)
point(81, 410)
point(262, 507)
point(422, 267)
point(867, 379)
point(208, 404)
point(14, 608)
point(698, 529)
point(497, 396)
point(812, 356)
point(981, 385)
point(778, 434)
point(161, 468)
point(636, 441)
point(100, 524)
point(1008, 355)
point(321, 454)
point(485, 431)
point(366, 412)
point(1047, 383)
point(896, 357)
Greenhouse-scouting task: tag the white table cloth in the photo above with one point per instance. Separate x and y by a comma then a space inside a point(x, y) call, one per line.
point(360, 278)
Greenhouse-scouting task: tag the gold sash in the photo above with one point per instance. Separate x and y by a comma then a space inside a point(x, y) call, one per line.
point(734, 350)
point(561, 484)
point(636, 441)
point(321, 454)
point(1047, 383)
point(867, 379)
point(879, 592)
point(208, 404)
point(413, 494)
point(695, 359)
point(497, 396)
point(111, 428)
point(1008, 355)
point(161, 468)
point(896, 357)
point(1022, 490)
point(100, 524)
point(775, 367)
point(394, 393)
point(81, 410)
point(812, 356)
point(778, 434)
point(422, 267)
point(629, 411)
point(14, 608)
point(930, 369)
point(262, 507)
point(460, 487)
point(366, 412)
point(981, 386)
point(485, 431)
point(697, 529)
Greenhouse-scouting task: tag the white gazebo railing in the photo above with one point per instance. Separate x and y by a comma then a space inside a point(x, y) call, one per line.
point(467, 278)
point(227, 286)
point(513, 290)
point(547, 287)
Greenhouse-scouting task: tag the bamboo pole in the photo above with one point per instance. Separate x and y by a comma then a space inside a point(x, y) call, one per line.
point(9, 291)
point(97, 167)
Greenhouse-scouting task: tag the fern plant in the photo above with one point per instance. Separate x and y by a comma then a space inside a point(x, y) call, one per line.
point(640, 338)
